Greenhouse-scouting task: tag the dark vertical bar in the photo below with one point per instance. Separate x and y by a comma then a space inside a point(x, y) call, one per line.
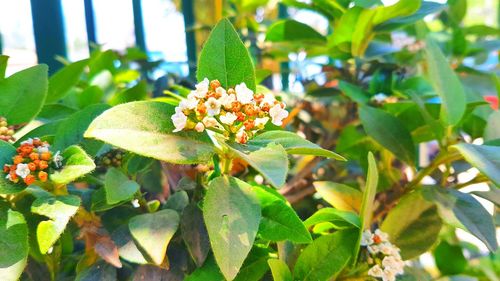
point(90, 23)
point(48, 27)
point(189, 21)
point(140, 39)
point(285, 66)
point(1, 44)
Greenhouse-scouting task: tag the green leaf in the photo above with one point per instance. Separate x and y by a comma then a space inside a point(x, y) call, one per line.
point(271, 161)
point(23, 94)
point(194, 234)
point(280, 222)
point(59, 209)
point(152, 232)
point(145, 128)
point(118, 187)
point(340, 219)
point(389, 132)
point(369, 193)
point(224, 57)
point(209, 271)
point(325, 258)
point(280, 270)
point(450, 259)
point(492, 130)
point(136, 93)
point(177, 201)
point(293, 31)
point(293, 144)
point(76, 164)
point(126, 245)
point(14, 244)
point(340, 196)
point(446, 84)
point(3, 65)
point(71, 130)
point(63, 80)
point(463, 210)
point(354, 92)
point(100, 271)
point(232, 216)
point(484, 157)
point(405, 222)
point(427, 8)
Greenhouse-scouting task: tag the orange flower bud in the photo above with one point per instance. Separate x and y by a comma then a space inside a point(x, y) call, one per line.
point(13, 176)
point(211, 94)
point(43, 176)
point(13, 168)
point(202, 109)
point(6, 168)
point(249, 109)
point(45, 156)
point(236, 106)
point(26, 149)
point(249, 124)
point(29, 179)
point(32, 166)
point(43, 165)
point(214, 84)
point(240, 116)
point(265, 107)
point(377, 239)
point(37, 142)
point(258, 97)
point(34, 156)
point(18, 159)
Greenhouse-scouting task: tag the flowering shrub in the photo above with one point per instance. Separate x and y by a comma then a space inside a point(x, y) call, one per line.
point(236, 113)
point(220, 180)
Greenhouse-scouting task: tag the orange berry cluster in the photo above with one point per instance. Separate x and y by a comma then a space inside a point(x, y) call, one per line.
point(238, 112)
point(6, 131)
point(32, 162)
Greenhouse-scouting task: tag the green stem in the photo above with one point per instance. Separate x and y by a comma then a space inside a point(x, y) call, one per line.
point(440, 159)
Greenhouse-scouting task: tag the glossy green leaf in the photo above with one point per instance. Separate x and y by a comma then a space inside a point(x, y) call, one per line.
point(369, 193)
point(446, 84)
point(118, 187)
point(14, 244)
point(63, 80)
point(280, 222)
point(340, 196)
point(136, 93)
point(71, 130)
point(427, 8)
point(293, 144)
point(484, 157)
point(76, 164)
point(492, 129)
point(405, 222)
point(145, 128)
point(340, 219)
point(463, 210)
point(354, 92)
point(59, 209)
point(177, 201)
point(325, 258)
point(289, 30)
point(224, 57)
point(271, 161)
point(152, 232)
point(3, 65)
point(127, 248)
point(209, 271)
point(194, 233)
point(450, 259)
point(389, 132)
point(23, 94)
point(7, 151)
point(280, 270)
point(232, 215)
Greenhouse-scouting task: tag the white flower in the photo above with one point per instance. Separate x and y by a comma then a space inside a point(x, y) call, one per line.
point(199, 127)
point(22, 170)
point(261, 122)
point(213, 106)
point(268, 99)
point(221, 91)
point(241, 136)
point(382, 235)
point(366, 238)
point(277, 114)
point(57, 159)
point(28, 141)
point(389, 276)
point(373, 249)
point(43, 148)
point(393, 264)
point(379, 98)
point(376, 271)
point(190, 103)
point(389, 250)
point(228, 119)
point(179, 120)
point(226, 100)
point(243, 94)
point(209, 122)
point(8, 177)
point(201, 89)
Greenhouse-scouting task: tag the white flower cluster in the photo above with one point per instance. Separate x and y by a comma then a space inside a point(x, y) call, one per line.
point(238, 112)
point(385, 256)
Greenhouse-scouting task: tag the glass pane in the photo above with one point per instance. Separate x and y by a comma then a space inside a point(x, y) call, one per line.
point(76, 30)
point(114, 23)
